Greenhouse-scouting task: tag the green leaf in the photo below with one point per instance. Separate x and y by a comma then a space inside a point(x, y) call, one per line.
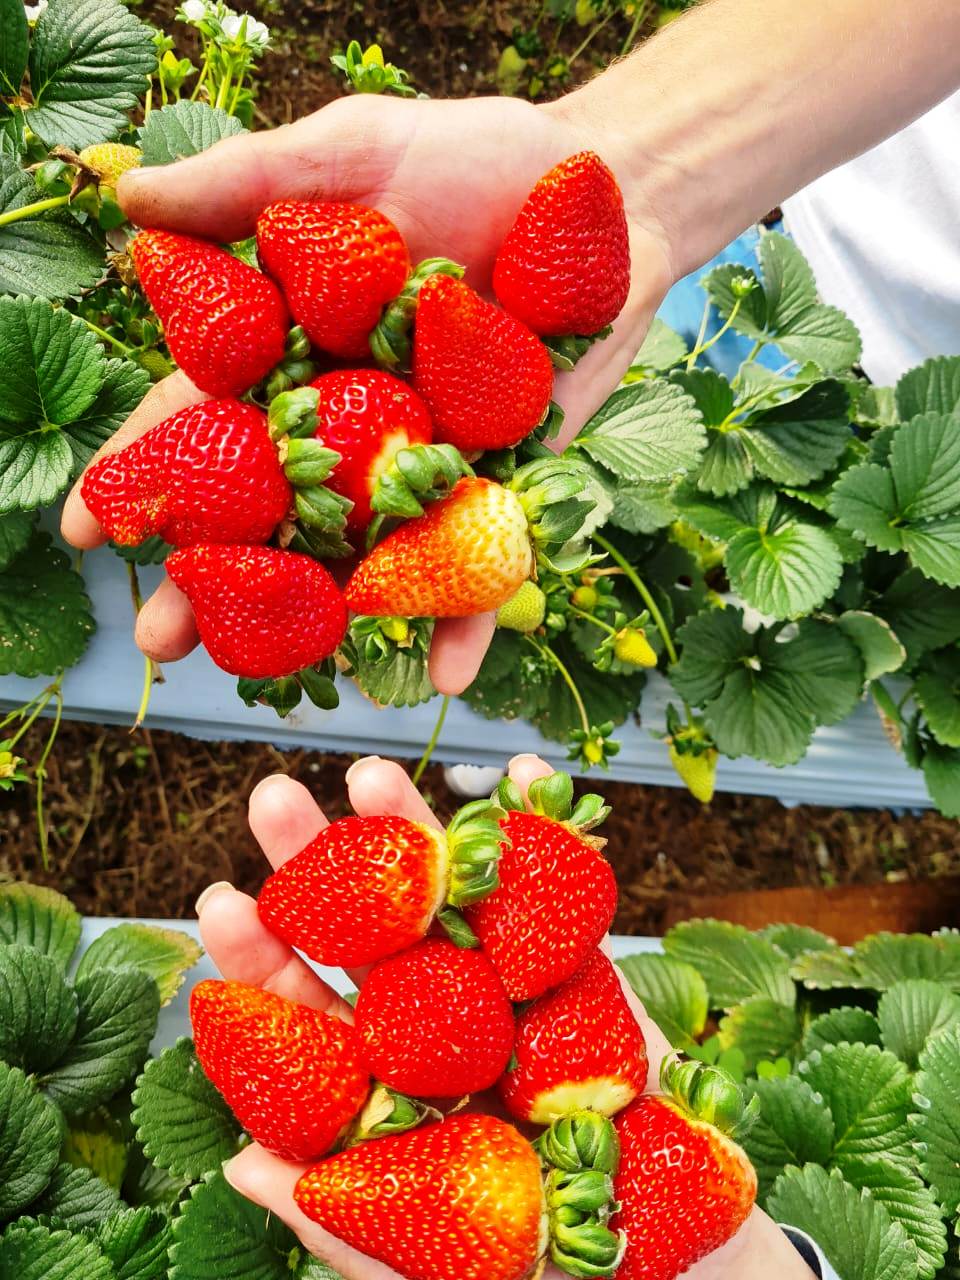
point(14, 47)
point(710, 391)
point(124, 386)
point(941, 773)
point(163, 954)
point(908, 1202)
point(45, 616)
point(97, 1141)
point(787, 572)
point(725, 467)
point(398, 678)
point(643, 508)
point(735, 963)
point(762, 1029)
point(136, 1242)
point(662, 348)
point(118, 1018)
point(182, 1122)
point(673, 994)
point(845, 1025)
point(153, 551)
point(923, 614)
point(935, 1124)
point(756, 507)
point(856, 1233)
point(794, 1127)
point(888, 958)
point(16, 531)
point(40, 918)
point(49, 255)
point(827, 970)
point(879, 646)
point(913, 1011)
point(925, 460)
point(89, 62)
point(76, 1198)
point(868, 1092)
point(800, 441)
point(29, 1141)
point(937, 694)
point(796, 939)
point(184, 129)
point(39, 1253)
point(38, 1011)
point(934, 387)
point(649, 431)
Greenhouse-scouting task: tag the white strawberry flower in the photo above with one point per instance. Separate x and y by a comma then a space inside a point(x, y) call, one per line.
point(194, 10)
point(33, 11)
point(256, 34)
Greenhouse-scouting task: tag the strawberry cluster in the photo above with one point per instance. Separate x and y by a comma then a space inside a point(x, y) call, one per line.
point(480, 948)
point(383, 424)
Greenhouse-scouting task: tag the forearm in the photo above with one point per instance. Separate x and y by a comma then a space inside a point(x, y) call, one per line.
point(740, 103)
point(758, 1251)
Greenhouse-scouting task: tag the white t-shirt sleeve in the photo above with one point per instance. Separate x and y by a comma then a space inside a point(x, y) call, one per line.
point(811, 1254)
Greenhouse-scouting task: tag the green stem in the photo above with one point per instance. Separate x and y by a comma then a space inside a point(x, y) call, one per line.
point(752, 355)
point(225, 84)
point(40, 774)
point(33, 210)
point(704, 320)
point(431, 745)
point(108, 337)
point(41, 701)
point(632, 34)
point(202, 78)
point(545, 650)
point(724, 328)
point(236, 97)
point(148, 101)
point(645, 595)
point(597, 622)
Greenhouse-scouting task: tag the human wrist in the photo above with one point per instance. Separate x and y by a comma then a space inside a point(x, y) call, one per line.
point(759, 1250)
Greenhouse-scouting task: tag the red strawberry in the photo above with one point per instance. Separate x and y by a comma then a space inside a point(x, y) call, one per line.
point(684, 1186)
point(367, 888)
point(210, 473)
point(261, 613)
point(435, 1022)
point(557, 894)
point(225, 323)
point(291, 1075)
point(564, 267)
point(577, 1047)
point(486, 379)
point(460, 1200)
point(367, 416)
point(338, 264)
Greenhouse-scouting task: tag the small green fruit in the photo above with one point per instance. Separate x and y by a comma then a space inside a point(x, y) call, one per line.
point(585, 598)
point(524, 611)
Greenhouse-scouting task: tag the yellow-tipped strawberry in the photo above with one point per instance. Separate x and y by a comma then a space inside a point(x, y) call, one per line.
point(631, 645)
point(692, 754)
point(110, 160)
point(525, 611)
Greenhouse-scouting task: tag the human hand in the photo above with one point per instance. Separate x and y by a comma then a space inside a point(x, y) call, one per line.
point(284, 818)
point(452, 176)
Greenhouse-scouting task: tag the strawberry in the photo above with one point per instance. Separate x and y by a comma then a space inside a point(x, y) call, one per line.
point(210, 473)
point(338, 265)
point(261, 613)
point(110, 160)
point(524, 611)
point(225, 323)
point(290, 1074)
point(459, 1200)
point(367, 416)
point(698, 772)
point(580, 1046)
point(684, 1186)
point(486, 379)
point(435, 1021)
point(564, 267)
point(366, 888)
point(557, 894)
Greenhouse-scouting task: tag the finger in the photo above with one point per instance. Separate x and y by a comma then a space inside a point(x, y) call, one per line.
point(244, 950)
point(270, 1182)
point(166, 629)
point(525, 769)
point(163, 400)
point(284, 818)
point(380, 786)
point(458, 648)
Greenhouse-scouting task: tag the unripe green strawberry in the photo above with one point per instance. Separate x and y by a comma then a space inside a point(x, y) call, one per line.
point(585, 598)
point(632, 646)
point(524, 611)
point(699, 772)
point(110, 160)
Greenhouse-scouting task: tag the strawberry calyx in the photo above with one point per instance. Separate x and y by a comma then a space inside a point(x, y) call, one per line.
point(285, 693)
point(419, 474)
point(294, 369)
point(387, 1112)
point(552, 797)
point(547, 488)
point(390, 340)
point(566, 352)
point(580, 1140)
point(475, 843)
point(709, 1094)
point(321, 513)
point(580, 1154)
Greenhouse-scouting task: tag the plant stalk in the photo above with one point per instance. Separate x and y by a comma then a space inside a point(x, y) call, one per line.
point(434, 739)
point(33, 210)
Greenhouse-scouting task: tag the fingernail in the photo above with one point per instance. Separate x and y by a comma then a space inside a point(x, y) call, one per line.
point(265, 784)
point(219, 886)
point(228, 1166)
point(526, 757)
point(358, 764)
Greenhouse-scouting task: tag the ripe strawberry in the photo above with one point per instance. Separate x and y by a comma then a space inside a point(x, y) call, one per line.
point(338, 265)
point(579, 1046)
point(225, 323)
point(523, 611)
point(261, 613)
point(685, 1188)
point(367, 888)
point(564, 267)
point(291, 1075)
point(110, 160)
point(435, 1022)
point(459, 1200)
point(557, 893)
point(210, 473)
point(468, 553)
point(486, 379)
point(367, 416)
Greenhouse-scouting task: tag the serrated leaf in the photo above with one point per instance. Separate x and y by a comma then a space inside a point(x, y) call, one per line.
point(786, 572)
point(923, 614)
point(908, 1202)
point(164, 955)
point(937, 693)
point(153, 551)
point(14, 48)
point(39, 1253)
point(673, 994)
point(941, 775)
point(16, 531)
point(97, 1142)
point(913, 1011)
point(718, 285)
point(934, 387)
point(29, 1141)
point(146, 1185)
point(925, 460)
point(846, 1025)
point(41, 918)
point(76, 1198)
point(399, 679)
point(183, 1123)
point(49, 255)
point(801, 440)
point(124, 386)
point(735, 963)
point(38, 1010)
point(662, 348)
point(45, 616)
point(868, 1092)
point(935, 1118)
point(643, 508)
point(794, 1128)
point(796, 939)
point(118, 1018)
point(762, 1029)
point(710, 392)
point(723, 518)
point(185, 129)
point(856, 1233)
point(136, 1242)
point(725, 467)
point(887, 958)
point(89, 62)
point(880, 647)
point(649, 431)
